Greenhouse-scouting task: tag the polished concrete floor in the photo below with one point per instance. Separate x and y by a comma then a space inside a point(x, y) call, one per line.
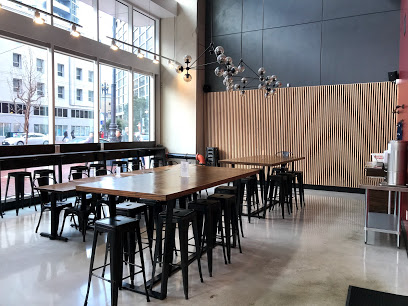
point(310, 258)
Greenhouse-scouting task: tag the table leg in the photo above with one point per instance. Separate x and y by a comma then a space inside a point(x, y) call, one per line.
point(262, 184)
point(389, 202)
point(54, 221)
point(399, 219)
point(365, 216)
point(168, 248)
point(112, 205)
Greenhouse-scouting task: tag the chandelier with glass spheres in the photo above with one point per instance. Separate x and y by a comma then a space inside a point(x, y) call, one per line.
point(230, 73)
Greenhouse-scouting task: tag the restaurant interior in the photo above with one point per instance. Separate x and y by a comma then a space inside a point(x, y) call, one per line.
point(203, 152)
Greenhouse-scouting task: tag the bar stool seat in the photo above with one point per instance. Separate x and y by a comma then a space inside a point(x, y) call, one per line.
point(95, 166)
point(156, 161)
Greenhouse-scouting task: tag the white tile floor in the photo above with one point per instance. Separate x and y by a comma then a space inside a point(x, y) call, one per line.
point(310, 258)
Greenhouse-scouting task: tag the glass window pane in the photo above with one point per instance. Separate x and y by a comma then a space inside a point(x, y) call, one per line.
point(23, 88)
point(113, 22)
point(143, 32)
point(73, 101)
point(114, 104)
point(78, 11)
point(141, 107)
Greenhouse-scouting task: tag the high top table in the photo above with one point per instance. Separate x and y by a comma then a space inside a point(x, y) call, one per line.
point(163, 184)
point(262, 161)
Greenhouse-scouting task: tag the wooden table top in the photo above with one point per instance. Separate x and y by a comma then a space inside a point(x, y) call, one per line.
point(165, 183)
point(71, 185)
point(262, 160)
point(385, 188)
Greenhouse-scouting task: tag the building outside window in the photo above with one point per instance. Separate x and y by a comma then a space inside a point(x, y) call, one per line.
point(17, 83)
point(90, 76)
point(40, 65)
point(16, 60)
point(90, 95)
point(61, 92)
point(79, 94)
point(143, 33)
point(40, 89)
point(60, 68)
point(79, 74)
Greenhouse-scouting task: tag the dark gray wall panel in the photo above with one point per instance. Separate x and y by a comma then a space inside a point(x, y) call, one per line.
point(253, 15)
point(252, 50)
point(232, 47)
point(227, 16)
point(293, 54)
point(360, 49)
point(343, 8)
point(289, 12)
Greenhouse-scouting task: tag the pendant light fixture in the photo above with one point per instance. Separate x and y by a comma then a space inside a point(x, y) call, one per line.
point(155, 60)
point(139, 53)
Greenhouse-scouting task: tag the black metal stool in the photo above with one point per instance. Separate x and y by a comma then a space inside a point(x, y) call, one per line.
point(183, 218)
point(120, 163)
point(250, 185)
point(44, 173)
point(211, 211)
point(95, 166)
point(118, 228)
point(77, 172)
point(230, 219)
point(156, 160)
point(274, 182)
point(19, 177)
point(233, 190)
point(134, 164)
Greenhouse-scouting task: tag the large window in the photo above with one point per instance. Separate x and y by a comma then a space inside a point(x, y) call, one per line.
point(23, 91)
point(141, 107)
point(114, 22)
point(143, 33)
point(73, 101)
point(114, 104)
point(20, 9)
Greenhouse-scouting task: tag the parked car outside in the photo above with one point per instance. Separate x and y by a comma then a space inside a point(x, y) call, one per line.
point(20, 139)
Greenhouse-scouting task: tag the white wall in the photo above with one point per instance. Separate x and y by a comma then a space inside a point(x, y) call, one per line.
point(178, 98)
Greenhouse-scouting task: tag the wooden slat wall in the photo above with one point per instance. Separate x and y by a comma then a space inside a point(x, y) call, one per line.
point(335, 127)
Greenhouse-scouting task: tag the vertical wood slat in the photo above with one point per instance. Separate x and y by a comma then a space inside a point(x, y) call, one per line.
point(335, 127)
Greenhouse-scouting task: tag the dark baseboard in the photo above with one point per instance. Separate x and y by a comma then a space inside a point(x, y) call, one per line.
point(334, 188)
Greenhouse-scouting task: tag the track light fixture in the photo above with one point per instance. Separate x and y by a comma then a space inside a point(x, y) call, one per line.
point(74, 31)
point(37, 18)
point(155, 60)
point(139, 53)
point(114, 46)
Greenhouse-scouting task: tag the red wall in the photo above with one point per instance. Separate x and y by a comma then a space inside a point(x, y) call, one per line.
point(403, 86)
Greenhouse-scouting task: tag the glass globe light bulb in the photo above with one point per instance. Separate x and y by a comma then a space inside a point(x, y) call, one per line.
point(261, 78)
point(266, 94)
point(261, 86)
point(241, 68)
point(229, 88)
point(221, 59)
point(179, 69)
point(228, 60)
point(242, 93)
point(244, 80)
point(278, 83)
point(218, 71)
point(187, 77)
point(219, 50)
point(261, 71)
point(273, 77)
point(237, 86)
point(187, 59)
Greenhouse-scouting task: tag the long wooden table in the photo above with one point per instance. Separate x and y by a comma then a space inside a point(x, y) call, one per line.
point(165, 185)
point(262, 161)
